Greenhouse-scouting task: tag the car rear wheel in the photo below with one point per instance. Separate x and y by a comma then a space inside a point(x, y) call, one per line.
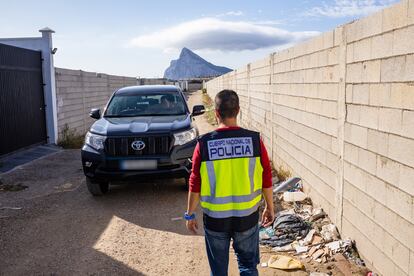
point(97, 188)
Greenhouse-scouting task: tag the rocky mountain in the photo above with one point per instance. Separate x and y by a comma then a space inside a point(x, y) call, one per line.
point(190, 65)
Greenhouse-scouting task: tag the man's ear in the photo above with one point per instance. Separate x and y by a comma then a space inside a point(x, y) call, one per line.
point(217, 114)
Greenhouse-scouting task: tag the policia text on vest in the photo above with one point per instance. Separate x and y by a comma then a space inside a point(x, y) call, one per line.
point(230, 147)
point(231, 173)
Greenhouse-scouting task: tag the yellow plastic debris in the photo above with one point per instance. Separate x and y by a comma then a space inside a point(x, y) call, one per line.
point(284, 262)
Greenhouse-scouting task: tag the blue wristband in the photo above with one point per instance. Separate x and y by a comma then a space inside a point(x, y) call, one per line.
point(189, 217)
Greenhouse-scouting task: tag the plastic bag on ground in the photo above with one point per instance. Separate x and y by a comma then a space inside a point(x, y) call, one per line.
point(284, 262)
point(266, 233)
point(287, 229)
point(288, 184)
point(294, 196)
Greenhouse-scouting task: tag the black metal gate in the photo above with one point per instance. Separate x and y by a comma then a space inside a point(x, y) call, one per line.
point(22, 105)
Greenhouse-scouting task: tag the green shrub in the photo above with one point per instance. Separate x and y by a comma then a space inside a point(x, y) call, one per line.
point(209, 105)
point(69, 139)
point(283, 173)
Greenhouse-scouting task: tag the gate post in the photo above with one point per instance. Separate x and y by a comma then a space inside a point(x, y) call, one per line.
point(49, 86)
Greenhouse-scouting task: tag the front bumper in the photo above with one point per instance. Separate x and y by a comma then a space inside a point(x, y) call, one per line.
point(98, 165)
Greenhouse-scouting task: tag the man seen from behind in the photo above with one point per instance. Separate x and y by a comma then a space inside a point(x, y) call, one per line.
point(231, 171)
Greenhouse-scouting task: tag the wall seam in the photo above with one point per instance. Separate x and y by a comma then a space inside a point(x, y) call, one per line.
point(248, 96)
point(341, 118)
point(271, 69)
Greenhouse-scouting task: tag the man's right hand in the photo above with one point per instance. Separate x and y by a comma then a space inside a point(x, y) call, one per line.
point(192, 226)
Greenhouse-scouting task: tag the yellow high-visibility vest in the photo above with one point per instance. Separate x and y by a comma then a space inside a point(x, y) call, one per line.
point(231, 173)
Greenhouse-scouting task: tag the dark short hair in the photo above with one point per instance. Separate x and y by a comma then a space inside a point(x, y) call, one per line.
point(227, 103)
point(167, 97)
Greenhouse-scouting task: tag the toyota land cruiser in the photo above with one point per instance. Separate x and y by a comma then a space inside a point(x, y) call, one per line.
point(145, 131)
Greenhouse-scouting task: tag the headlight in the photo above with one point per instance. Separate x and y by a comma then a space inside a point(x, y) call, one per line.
point(184, 137)
point(95, 141)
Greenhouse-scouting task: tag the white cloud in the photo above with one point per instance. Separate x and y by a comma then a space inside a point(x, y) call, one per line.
point(231, 13)
point(349, 8)
point(266, 22)
point(216, 34)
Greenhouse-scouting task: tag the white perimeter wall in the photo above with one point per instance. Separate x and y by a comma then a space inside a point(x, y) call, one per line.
point(338, 111)
point(77, 92)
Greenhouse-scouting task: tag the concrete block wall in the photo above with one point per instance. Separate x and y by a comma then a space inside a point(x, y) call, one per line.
point(338, 111)
point(77, 92)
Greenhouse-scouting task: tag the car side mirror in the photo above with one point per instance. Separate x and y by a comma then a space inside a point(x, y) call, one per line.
point(95, 113)
point(198, 110)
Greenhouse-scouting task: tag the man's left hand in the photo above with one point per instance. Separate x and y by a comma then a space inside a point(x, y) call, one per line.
point(192, 226)
point(268, 216)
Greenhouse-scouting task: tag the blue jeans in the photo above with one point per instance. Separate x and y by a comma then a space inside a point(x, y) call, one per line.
point(245, 245)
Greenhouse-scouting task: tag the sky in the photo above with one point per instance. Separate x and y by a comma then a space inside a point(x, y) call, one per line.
point(140, 38)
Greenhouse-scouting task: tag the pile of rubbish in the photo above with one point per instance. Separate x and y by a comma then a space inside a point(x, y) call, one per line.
point(304, 232)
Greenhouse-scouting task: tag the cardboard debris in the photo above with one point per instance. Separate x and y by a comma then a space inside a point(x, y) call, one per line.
point(334, 246)
point(317, 214)
point(285, 248)
point(301, 249)
point(343, 265)
point(339, 245)
point(307, 209)
point(329, 232)
point(309, 237)
point(312, 250)
point(346, 243)
point(316, 239)
point(317, 254)
point(284, 262)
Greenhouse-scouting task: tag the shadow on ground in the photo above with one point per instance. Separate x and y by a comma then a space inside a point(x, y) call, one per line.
point(128, 231)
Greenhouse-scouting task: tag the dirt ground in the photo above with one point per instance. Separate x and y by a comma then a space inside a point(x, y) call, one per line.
point(56, 227)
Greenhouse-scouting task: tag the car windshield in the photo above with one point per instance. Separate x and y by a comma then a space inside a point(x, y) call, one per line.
point(151, 104)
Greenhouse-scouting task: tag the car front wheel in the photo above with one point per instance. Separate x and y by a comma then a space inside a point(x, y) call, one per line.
point(97, 188)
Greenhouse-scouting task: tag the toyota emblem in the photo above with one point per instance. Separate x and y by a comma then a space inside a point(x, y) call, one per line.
point(138, 145)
